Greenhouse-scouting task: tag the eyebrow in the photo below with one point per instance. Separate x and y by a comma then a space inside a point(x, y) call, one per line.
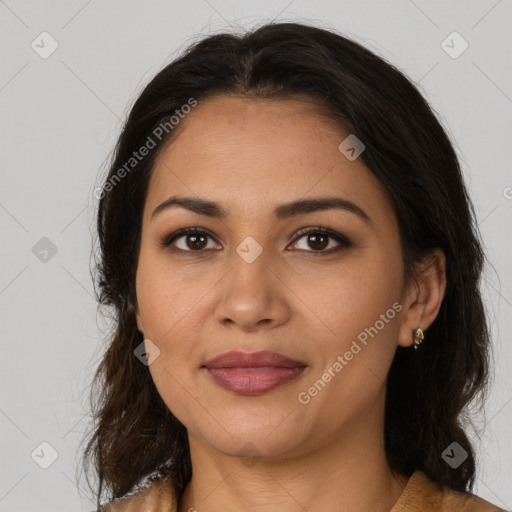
point(281, 212)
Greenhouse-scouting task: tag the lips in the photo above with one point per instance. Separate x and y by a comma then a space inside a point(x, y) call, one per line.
point(264, 358)
point(253, 373)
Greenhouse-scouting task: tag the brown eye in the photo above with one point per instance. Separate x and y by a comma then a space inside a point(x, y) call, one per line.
point(317, 239)
point(194, 240)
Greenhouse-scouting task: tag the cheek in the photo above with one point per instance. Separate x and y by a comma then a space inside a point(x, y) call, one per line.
point(172, 308)
point(351, 295)
point(359, 305)
point(164, 295)
point(168, 306)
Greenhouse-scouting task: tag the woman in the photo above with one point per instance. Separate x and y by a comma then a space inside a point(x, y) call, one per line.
point(283, 222)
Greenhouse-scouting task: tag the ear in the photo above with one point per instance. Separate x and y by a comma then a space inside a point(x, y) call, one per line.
point(424, 297)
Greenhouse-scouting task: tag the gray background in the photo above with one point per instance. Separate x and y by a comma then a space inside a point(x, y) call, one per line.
point(60, 117)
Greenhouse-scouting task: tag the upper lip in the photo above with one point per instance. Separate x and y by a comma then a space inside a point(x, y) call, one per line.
point(238, 359)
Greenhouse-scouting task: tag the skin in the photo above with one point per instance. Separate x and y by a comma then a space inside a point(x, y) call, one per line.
point(250, 156)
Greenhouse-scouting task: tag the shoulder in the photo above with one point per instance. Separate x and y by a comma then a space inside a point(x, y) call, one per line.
point(157, 497)
point(468, 502)
point(421, 493)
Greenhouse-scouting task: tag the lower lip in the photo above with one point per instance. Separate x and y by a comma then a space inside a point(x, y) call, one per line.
point(253, 381)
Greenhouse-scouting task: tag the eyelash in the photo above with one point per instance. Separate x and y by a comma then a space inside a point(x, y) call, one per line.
point(318, 230)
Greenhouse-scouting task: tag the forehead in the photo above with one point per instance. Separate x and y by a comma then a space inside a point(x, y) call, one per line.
point(252, 154)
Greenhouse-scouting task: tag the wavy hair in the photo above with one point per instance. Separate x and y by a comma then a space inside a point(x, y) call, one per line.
point(135, 435)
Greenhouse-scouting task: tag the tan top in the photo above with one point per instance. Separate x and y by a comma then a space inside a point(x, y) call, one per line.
point(419, 495)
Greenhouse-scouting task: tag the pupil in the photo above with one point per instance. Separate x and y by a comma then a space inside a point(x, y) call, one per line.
point(195, 239)
point(319, 245)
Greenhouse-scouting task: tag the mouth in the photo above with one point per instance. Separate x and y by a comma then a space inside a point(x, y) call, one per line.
point(252, 374)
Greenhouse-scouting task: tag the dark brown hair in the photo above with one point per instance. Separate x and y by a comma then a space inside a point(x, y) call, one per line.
point(406, 148)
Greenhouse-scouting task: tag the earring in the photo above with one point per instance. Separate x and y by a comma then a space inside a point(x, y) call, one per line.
point(418, 338)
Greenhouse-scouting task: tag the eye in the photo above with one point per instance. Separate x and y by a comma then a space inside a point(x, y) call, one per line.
point(196, 239)
point(318, 238)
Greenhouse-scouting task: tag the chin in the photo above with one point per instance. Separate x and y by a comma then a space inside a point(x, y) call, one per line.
point(253, 447)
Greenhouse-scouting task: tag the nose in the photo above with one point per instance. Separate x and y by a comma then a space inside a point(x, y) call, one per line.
point(252, 296)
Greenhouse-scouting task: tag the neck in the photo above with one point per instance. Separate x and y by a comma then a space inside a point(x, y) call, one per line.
point(346, 473)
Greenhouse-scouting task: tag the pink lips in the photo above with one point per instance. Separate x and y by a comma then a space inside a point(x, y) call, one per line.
point(253, 373)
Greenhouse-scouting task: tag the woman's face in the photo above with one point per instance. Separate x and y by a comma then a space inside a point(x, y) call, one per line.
point(253, 284)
